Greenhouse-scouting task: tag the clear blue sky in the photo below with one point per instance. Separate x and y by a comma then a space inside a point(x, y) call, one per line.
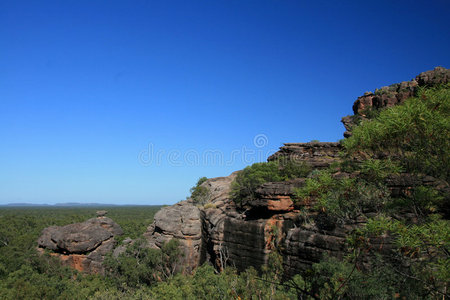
point(127, 101)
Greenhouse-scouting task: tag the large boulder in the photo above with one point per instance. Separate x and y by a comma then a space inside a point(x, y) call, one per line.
point(182, 221)
point(81, 245)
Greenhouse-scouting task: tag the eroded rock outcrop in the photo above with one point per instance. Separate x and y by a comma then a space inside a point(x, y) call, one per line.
point(182, 221)
point(82, 246)
point(245, 236)
point(224, 233)
point(393, 95)
point(317, 155)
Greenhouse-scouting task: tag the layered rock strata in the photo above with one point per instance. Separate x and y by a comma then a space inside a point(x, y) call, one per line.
point(244, 237)
point(317, 155)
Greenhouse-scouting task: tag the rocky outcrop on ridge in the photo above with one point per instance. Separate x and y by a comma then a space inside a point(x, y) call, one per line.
point(82, 246)
point(393, 95)
point(317, 155)
point(244, 237)
point(224, 233)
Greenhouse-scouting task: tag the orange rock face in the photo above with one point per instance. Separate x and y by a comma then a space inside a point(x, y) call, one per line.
point(280, 203)
point(75, 261)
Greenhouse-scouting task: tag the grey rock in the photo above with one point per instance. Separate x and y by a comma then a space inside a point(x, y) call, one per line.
point(82, 245)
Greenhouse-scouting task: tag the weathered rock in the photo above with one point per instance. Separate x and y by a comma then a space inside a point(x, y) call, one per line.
point(434, 77)
point(182, 221)
point(101, 213)
point(385, 97)
point(392, 95)
point(245, 236)
point(318, 155)
point(81, 245)
point(276, 196)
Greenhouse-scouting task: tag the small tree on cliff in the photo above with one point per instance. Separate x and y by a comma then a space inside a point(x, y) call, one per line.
point(244, 186)
point(200, 194)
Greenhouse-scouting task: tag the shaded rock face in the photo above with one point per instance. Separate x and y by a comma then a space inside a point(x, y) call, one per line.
point(190, 224)
point(229, 235)
point(82, 246)
point(276, 197)
point(182, 221)
point(393, 95)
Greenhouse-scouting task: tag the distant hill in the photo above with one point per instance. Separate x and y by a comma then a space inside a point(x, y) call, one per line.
point(83, 204)
point(23, 204)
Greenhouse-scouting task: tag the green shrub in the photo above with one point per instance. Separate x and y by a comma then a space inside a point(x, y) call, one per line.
point(416, 133)
point(140, 265)
point(290, 168)
point(248, 180)
point(423, 201)
point(200, 194)
point(244, 186)
point(421, 251)
point(342, 198)
point(377, 170)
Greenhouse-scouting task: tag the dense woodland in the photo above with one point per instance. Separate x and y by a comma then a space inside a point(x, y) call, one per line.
point(411, 138)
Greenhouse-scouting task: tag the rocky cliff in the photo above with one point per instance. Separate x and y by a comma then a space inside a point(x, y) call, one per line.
point(223, 233)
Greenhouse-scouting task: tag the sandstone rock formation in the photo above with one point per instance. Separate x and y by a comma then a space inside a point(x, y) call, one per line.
point(318, 155)
point(393, 95)
point(82, 246)
point(222, 233)
point(246, 238)
point(182, 221)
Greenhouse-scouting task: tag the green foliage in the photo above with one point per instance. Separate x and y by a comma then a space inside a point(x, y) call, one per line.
point(370, 112)
point(200, 194)
point(291, 168)
point(377, 170)
point(425, 200)
point(413, 264)
point(140, 265)
point(421, 201)
point(423, 248)
point(206, 284)
point(416, 133)
point(26, 275)
point(341, 198)
point(248, 180)
point(346, 279)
